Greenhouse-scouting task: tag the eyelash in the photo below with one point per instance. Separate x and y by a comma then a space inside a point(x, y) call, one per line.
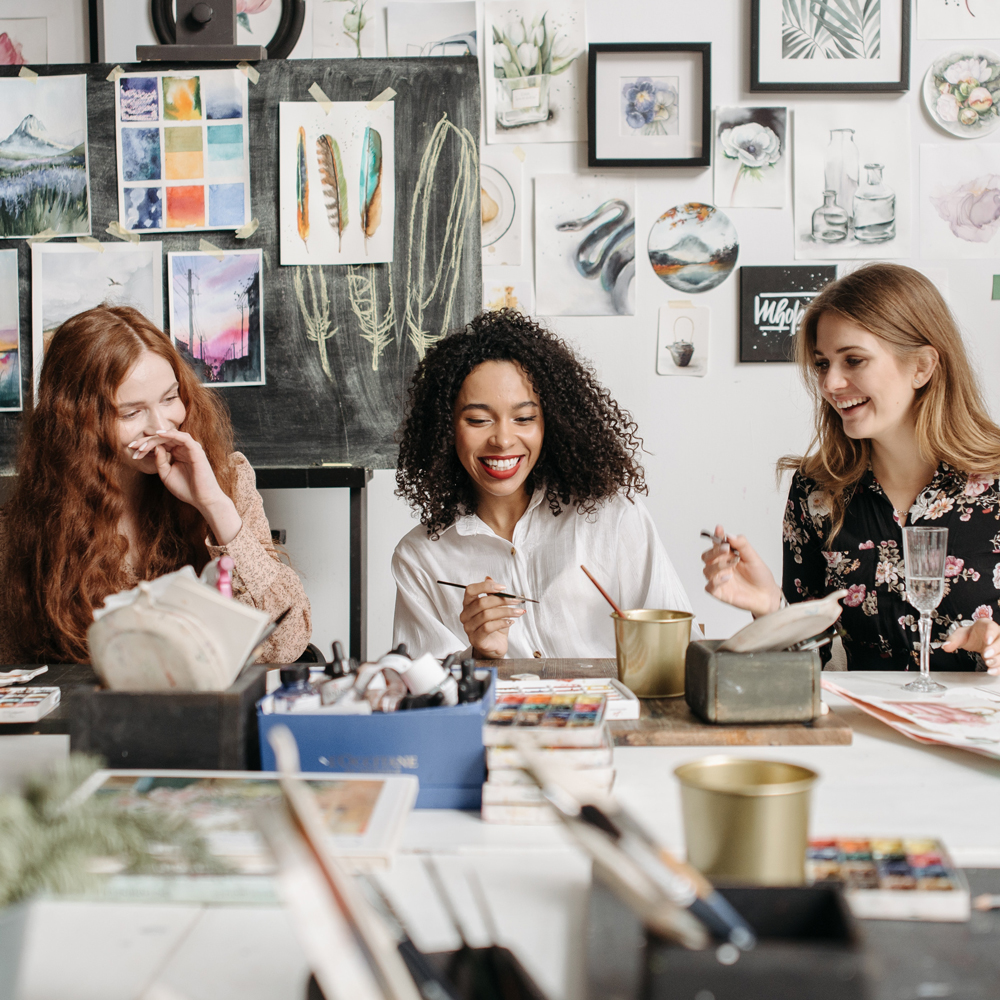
point(852, 362)
point(479, 421)
point(135, 413)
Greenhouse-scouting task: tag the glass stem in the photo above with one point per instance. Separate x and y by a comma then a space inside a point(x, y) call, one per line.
point(925, 644)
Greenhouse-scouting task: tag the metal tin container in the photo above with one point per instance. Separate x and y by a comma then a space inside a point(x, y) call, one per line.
point(651, 646)
point(746, 820)
point(775, 686)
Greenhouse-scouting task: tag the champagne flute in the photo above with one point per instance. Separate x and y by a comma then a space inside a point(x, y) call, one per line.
point(924, 554)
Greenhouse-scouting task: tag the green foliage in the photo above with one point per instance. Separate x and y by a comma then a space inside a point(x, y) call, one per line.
point(50, 837)
point(44, 208)
point(831, 29)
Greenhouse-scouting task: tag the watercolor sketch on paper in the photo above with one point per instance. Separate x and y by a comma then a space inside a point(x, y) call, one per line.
point(68, 278)
point(343, 29)
point(536, 71)
point(750, 161)
point(960, 200)
point(693, 247)
point(514, 294)
point(336, 183)
point(585, 253)
point(217, 315)
point(831, 29)
point(851, 182)
point(649, 106)
point(501, 176)
point(10, 334)
point(683, 337)
point(431, 29)
point(44, 180)
point(23, 40)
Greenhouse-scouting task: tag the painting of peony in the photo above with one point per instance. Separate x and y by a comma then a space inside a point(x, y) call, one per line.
point(751, 157)
point(649, 106)
point(962, 93)
point(960, 201)
point(23, 40)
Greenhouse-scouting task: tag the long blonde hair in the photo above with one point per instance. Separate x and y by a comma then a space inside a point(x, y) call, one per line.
point(903, 308)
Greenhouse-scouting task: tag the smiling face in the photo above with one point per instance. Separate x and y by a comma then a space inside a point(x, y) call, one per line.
point(499, 428)
point(147, 401)
point(871, 388)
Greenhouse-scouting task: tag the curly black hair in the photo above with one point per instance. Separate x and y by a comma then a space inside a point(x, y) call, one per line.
point(590, 446)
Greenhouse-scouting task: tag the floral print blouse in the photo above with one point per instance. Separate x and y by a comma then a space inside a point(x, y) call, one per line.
point(878, 626)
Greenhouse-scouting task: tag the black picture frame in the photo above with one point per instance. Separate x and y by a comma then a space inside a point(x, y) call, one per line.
point(900, 85)
point(704, 49)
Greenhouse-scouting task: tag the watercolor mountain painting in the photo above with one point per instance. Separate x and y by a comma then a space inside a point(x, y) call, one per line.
point(44, 183)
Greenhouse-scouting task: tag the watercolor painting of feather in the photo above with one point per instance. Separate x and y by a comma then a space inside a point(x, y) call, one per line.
point(331, 175)
point(330, 167)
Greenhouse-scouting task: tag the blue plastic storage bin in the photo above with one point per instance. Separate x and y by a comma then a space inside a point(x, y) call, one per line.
point(442, 746)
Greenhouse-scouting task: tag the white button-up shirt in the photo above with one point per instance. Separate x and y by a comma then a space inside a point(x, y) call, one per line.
point(618, 544)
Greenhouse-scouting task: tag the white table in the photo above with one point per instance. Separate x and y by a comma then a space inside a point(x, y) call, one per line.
point(535, 881)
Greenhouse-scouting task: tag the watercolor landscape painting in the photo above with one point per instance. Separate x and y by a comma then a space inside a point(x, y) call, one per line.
point(217, 315)
point(693, 247)
point(10, 334)
point(44, 181)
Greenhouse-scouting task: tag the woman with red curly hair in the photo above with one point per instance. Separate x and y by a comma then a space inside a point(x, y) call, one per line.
point(126, 471)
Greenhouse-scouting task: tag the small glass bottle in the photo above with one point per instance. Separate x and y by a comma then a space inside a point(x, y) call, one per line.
point(296, 694)
point(874, 208)
point(829, 221)
point(840, 171)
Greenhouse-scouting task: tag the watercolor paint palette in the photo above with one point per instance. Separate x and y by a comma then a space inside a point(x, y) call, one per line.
point(28, 704)
point(620, 702)
point(891, 878)
point(183, 150)
point(559, 720)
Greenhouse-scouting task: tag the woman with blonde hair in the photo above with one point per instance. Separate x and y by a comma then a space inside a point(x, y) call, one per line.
point(902, 436)
point(127, 471)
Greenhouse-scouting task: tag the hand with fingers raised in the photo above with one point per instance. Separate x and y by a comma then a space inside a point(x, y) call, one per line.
point(487, 619)
point(738, 576)
point(983, 637)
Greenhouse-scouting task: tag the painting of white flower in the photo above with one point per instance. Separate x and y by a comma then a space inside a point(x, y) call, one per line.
point(750, 157)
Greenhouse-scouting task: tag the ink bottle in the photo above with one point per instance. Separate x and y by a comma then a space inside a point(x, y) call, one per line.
point(469, 689)
point(296, 694)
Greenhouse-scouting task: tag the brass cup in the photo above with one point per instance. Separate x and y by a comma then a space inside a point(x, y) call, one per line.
point(746, 820)
point(651, 647)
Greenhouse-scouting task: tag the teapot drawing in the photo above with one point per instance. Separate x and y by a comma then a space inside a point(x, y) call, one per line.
point(682, 349)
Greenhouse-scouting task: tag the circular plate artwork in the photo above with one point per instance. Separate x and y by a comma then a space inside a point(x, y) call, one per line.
point(962, 92)
point(693, 247)
point(498, 204)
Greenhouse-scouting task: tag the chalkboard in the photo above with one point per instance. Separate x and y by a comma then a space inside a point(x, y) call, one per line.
point(302, 416)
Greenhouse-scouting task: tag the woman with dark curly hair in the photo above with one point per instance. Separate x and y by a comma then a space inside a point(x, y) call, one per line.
point(521, 467)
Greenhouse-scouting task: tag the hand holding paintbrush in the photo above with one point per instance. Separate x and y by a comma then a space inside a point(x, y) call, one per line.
point(487, 616)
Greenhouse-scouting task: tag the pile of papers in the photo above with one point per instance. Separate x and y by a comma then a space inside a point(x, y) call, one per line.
point(966, 715)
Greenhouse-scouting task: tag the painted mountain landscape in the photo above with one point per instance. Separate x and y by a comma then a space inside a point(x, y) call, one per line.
point(693, 247)
point(44, 183)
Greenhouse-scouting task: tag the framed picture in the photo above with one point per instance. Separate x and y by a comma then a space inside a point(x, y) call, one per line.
point(649, 105)
point(830, 46)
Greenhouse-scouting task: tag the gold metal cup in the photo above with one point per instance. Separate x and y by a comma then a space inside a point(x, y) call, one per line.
point(746, 820)
point(651, 646)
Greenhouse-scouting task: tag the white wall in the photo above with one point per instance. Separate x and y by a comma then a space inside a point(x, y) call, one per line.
point(712, 442)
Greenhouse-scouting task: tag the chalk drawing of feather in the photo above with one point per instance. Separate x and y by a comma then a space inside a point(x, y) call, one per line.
point(331, 176)
point(371, 183)
point(433, 265)
point(363, 281)
point(302, 189)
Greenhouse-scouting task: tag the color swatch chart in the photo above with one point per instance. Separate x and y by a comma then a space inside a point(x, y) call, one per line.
point(183, 150)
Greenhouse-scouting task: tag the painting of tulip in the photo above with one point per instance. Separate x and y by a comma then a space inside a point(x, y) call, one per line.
point(751, 157)
point(536, 80)
point(960, 201)
point(649, 106)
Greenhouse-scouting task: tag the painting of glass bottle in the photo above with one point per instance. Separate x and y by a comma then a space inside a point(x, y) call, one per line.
point(874, 208)
point(840, 173)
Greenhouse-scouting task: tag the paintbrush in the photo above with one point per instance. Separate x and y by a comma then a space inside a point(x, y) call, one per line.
point(496, 593)
point(604, 593)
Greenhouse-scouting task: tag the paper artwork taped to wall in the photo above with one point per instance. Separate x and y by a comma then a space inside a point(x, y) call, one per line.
point(183, 150)
point(852, 182)
point(44, 179)
point(693, 247)
point(772, 302)
point(336, 183)
point(960, 200)
point(536, 71)
point(584, 245)
point(23, 40)
point(10, 334)
point(501, 176)
point(682, 340)
point(751, 157)
point(431, 29)
point(516, 294)
point(67, 279)
point(958, 19)
point(343, 29)
point(217, 315)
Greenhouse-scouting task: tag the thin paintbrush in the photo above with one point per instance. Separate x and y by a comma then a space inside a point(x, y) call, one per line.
point(604, 593)
point(497, 593)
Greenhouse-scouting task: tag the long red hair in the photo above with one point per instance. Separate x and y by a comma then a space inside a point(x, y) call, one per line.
point(65, 553)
